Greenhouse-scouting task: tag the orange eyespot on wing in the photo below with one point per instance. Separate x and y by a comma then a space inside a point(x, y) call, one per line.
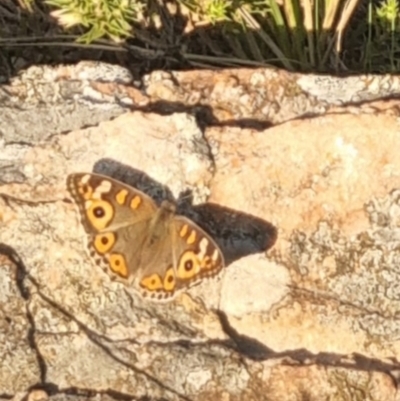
point(188, 266)
point(104, 242)
point(152, 283)
point(205, 261)
point(118, 265)
point(99, 213)
point(155, 283)
point(169, 280)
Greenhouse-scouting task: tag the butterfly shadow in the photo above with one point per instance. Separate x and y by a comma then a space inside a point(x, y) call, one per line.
point(238, 234)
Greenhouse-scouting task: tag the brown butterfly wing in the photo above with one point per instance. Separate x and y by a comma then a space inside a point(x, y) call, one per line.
point(138, 243)
point(183, 257)
point(116, 218)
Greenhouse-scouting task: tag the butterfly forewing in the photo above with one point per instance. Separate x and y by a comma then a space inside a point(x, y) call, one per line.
point(113, 215)
point(120, 204)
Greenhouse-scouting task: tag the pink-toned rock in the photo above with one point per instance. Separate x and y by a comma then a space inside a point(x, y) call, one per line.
point(309, 312)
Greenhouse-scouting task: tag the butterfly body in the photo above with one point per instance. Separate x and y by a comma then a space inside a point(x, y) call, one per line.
point(145, 246)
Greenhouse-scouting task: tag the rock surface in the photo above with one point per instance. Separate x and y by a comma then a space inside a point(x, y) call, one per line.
point(306, 211)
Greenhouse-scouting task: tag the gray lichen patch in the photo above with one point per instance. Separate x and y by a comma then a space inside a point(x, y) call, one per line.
point(360, 274)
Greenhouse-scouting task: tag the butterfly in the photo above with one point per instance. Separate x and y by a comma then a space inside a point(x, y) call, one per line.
point(150, 248)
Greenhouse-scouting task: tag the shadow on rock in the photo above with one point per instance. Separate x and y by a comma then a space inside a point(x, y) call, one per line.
point(238, 234)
